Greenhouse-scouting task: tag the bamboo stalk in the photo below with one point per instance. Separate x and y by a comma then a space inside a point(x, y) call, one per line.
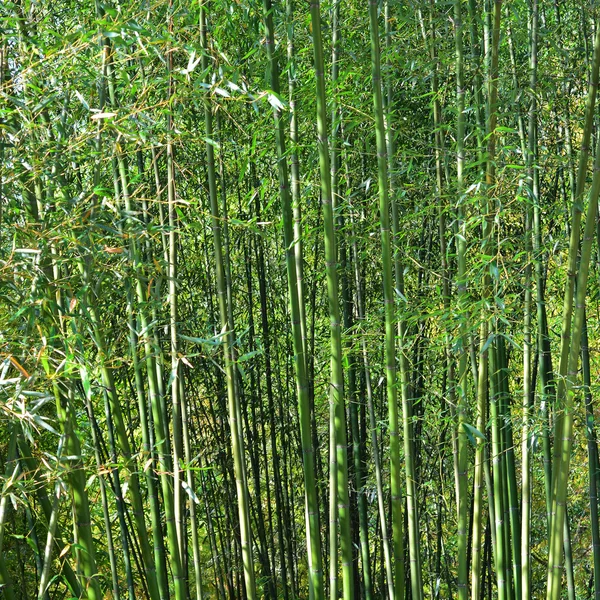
point(227, 337)
point(296, 301)
point(526, 483)
point(390, 324)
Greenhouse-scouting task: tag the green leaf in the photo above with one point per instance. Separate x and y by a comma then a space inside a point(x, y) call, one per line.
point(472, 433)
point(249, 355)
point(216, 341)
point(488, 342)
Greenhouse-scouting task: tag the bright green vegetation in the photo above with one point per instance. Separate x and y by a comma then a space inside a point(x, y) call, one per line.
point(299, 300)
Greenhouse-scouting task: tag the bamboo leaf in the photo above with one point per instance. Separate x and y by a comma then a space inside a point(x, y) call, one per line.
point(473, 432)
point(190, 492)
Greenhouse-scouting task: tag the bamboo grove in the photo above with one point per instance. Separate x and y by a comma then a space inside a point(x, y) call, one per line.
point(299, 299)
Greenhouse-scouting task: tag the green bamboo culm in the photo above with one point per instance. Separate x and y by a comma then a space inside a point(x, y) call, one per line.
point(313, 537)
point(526, 439)
point(462, 460)
point(511, 502)
point(227, 337)
point(354, 400)
point(64, 396)
point(11, 469)
point(388, 98)
point(172, 299)
point(121, 182)
point(336, 394)
point(571, 340)
point(498, 469)
point(481, 379)
point(333, 407)
point(76, 479)
point(389, 573)
point(121, 186)
point(390, 324)
point(298, 251)
point(577, 211)
point(592, 457)
point(499, 472)
point(486, 375)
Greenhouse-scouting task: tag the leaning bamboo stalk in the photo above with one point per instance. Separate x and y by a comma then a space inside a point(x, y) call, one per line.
point(87, 390)
point(76, 481)
point(145, 424)
point(337, 375)
point(172, 300)
point(121, 182)
point(592, 457)
point(11, 470)
point(358, 441)
point(461, 243)
point(481, 376)
point(157, 576)
point(65, 410)
point(388, 292)
point(574, 240)
point(527, 350)
point(558, 466)
point(33, 467)
point(387, 555)
point(333, 406)
point(227, 336)
point(486, 372)
point(122, 189)
point(566, 392)
point(296, 301)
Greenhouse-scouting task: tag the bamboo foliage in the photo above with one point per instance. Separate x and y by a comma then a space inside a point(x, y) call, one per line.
point(279, 309)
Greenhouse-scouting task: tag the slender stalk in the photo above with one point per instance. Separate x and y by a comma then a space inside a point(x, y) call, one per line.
point(227, 337)
point(486, 371)
point(499, 473)
point(81, 509)
point(462, 462)
point(592, 457)
point(577, 210)
point(388, 292)
point(193, 500)
point(87, 387)
point(527, 351)
point(398, 567)
point(336, 391)
point(566, 391)
point(358, 441)
point(178, 459)
point(333, 408)
point(387, 555)
point(11, 471)
point(296, 302)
